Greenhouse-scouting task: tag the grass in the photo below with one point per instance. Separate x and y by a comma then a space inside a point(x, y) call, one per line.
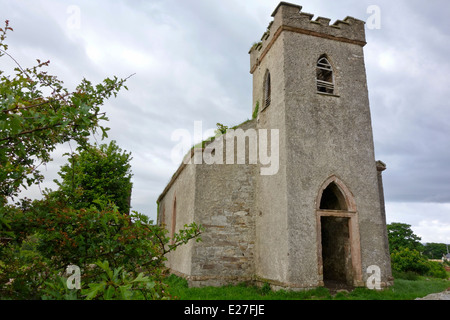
point(402, 289)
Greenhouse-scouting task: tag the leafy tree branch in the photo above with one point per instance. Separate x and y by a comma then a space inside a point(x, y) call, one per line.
point(32, 123)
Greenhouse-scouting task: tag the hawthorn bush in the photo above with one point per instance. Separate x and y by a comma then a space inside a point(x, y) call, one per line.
point(37, 113)
point(407, 261)
point(406, 257)
point(404, 260)
point(120, 256)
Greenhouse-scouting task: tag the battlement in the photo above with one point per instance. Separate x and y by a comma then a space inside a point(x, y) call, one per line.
point(289, 17)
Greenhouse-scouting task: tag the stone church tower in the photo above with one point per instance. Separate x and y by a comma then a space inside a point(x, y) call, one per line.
point(320, 218)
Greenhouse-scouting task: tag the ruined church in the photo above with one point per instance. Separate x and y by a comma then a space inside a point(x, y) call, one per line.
point(319, 217)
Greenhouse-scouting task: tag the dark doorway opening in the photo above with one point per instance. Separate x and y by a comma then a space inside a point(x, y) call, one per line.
point(336, 252)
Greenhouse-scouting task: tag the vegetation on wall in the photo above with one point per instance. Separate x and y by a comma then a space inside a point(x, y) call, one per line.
point(256, 111)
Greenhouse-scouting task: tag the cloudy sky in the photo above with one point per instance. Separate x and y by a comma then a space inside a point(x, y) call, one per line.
point(191, 63)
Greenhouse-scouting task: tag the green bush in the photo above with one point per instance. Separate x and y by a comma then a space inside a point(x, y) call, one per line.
point(404, 260)
point(128, 250)
point(436, 270)
point(37, 113)
point(97, 173)
point(406, 263)
point(119, 256)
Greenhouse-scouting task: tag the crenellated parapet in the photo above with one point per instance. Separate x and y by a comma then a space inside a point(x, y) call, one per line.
point(289, 17)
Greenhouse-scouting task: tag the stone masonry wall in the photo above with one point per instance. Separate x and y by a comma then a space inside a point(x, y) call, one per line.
point(224, 206)
point(181, 188)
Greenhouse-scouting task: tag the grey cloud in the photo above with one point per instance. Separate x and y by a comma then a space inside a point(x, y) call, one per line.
point(408, 103)
point(195, 66)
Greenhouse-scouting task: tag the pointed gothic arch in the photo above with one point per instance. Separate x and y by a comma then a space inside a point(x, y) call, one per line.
point(335, 195)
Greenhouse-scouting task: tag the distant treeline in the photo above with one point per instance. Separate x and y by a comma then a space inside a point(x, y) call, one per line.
point(435, 250)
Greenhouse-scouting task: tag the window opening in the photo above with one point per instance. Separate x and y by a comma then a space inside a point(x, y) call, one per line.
point(267, 90)
point(324, 76)
point(174, 220)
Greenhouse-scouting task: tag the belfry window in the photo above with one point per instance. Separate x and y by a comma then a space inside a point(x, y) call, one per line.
point(324, 76)
point(267, 90)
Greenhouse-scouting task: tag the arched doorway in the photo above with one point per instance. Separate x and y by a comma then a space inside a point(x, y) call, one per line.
point(339, 250)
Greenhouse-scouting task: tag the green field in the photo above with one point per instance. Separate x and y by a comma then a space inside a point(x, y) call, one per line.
point(402, 289)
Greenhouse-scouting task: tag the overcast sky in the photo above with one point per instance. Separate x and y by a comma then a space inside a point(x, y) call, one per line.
point(191, 63)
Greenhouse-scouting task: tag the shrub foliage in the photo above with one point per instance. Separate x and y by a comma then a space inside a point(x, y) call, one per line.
point(97, 173)
point(406, 256)
point(86, 223)
point(120, 256)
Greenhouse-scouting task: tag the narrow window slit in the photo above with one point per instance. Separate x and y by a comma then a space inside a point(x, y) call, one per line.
point(267, 90)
